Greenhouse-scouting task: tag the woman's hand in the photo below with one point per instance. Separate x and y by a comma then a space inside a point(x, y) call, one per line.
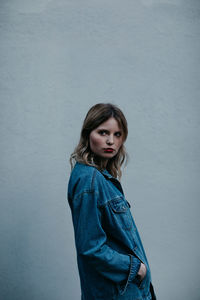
point(142, 271)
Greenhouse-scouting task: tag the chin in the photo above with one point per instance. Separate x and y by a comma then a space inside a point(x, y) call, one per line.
point(108, 155)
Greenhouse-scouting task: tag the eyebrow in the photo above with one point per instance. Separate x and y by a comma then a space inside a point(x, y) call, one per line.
point(101, 128)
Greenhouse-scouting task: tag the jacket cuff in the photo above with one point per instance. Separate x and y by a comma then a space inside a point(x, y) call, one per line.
point(134, 268)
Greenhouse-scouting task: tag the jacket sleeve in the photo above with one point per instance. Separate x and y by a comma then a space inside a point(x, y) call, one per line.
point(90, 239)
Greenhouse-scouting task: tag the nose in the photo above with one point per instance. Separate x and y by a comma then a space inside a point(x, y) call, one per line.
point(110, 140)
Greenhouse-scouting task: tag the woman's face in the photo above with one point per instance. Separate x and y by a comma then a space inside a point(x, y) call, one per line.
point(106, 139)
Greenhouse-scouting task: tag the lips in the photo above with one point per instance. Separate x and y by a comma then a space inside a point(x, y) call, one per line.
point(108, 149)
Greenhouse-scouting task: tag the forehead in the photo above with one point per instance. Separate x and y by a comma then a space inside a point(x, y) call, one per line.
point(111, 124)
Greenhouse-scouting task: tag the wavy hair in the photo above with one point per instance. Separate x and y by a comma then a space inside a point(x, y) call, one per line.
point(96, 115)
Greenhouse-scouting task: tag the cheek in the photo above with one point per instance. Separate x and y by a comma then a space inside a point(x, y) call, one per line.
point(95, 141)
point(119, 144)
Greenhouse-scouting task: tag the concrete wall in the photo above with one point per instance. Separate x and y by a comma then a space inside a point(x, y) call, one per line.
point(57, 59)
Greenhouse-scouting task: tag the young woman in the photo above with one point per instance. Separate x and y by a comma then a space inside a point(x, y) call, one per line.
point(111, 259)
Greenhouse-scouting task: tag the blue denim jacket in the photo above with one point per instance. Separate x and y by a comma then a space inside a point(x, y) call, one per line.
point(109, 249)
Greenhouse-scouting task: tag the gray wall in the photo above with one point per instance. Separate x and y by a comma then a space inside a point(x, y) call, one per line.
point(57, 59)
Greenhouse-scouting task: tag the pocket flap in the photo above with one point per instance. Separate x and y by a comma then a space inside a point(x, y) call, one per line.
point(118, 205)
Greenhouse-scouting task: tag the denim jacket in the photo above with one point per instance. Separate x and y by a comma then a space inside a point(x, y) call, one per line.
point(108, 245)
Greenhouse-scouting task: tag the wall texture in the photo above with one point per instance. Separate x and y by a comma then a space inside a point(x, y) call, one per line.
point(58, 58)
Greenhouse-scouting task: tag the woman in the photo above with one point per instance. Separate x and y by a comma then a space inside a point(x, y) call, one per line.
point(111, 260)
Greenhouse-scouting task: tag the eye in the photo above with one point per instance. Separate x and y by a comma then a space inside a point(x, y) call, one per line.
point(118, 134)
point(102, 132)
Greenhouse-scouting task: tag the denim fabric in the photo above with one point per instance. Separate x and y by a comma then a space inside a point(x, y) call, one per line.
point(108, 245)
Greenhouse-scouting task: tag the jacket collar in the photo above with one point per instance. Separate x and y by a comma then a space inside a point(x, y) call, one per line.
point(107, 174)
point(114, 180)
point(103, 171)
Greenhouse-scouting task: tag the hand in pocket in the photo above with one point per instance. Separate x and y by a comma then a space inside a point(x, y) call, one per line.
point(142, 272)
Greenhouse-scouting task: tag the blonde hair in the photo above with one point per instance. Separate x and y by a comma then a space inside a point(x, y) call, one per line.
point(96, 115)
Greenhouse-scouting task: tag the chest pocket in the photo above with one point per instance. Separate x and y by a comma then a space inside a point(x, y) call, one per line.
point(120, 209)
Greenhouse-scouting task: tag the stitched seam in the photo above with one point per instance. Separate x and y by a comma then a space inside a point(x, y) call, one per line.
point(107, 202)
point(117, 197)
point(89, 191)
point(93, 177)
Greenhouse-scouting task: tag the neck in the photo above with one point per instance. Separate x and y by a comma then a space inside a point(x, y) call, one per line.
point(101, 161)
